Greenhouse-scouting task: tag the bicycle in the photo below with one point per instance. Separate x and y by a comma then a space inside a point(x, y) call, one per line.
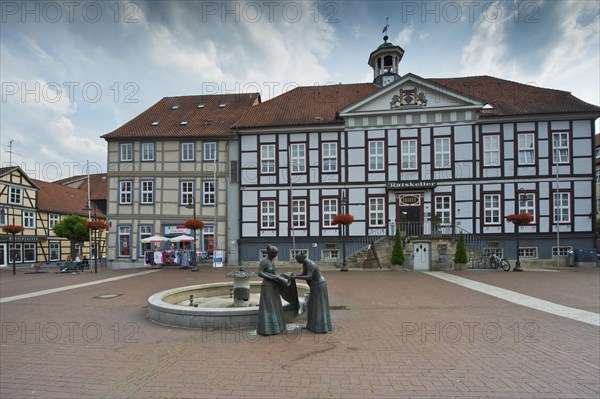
point(496, 261)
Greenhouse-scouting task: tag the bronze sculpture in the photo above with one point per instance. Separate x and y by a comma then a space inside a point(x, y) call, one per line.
point(318, 316)
point(270, 310)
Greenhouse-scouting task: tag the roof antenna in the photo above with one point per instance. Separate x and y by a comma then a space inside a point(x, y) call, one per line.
point(385, 29)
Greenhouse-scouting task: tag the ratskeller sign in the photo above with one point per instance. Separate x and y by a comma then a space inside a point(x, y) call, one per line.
point(411, 185)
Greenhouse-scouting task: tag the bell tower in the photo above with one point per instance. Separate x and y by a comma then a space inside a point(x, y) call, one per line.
point(385, 60)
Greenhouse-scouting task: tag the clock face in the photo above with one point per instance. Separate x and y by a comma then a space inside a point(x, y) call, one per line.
point(387, 79)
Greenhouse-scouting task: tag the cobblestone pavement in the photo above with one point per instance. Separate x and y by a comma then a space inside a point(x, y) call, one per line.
point(396, 335)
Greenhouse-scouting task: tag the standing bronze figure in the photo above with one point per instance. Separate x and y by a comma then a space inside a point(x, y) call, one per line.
point(318, 316)
point(270, 310)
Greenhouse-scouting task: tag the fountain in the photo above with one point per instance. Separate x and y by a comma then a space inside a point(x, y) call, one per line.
point(213, 306)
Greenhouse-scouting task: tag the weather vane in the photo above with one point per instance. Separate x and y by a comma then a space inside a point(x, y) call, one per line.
point(385, 28)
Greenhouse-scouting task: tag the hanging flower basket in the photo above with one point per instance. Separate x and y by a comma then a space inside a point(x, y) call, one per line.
point(343, 218)
point(95, 224)
point(13, 229)
point(194, 224)
point(520, 219)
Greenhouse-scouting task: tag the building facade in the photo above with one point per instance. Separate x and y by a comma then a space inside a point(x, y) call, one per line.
point(453, 155)
point(170, 164)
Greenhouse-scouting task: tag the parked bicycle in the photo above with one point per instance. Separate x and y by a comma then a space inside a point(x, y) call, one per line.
point(498, 262)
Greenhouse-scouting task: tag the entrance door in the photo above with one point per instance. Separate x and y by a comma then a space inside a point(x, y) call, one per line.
point(3, 257)
point(421, 256)
point(411, 220)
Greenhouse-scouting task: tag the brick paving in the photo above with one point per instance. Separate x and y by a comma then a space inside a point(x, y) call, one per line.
point(396, 334)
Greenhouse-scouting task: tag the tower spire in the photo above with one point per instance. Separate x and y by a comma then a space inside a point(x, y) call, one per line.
point(385, 29)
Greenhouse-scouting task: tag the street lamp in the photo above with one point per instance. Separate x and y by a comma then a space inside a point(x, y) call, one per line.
point(343, 203)
point(192, 205)
point(89, 209)
point(14, 239)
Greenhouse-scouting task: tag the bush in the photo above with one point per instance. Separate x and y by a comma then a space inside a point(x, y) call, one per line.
point(461, 255)
point(398, 251)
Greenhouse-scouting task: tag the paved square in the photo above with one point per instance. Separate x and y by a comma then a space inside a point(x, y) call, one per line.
point(396, 334)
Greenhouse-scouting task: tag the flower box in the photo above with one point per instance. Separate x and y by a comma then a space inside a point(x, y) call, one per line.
point(520, 219)
point(95, 224)
point(343, 218)
point(12, 229)
point(194, 224)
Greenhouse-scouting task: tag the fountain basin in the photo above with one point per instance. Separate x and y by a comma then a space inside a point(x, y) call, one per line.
point(171, 307)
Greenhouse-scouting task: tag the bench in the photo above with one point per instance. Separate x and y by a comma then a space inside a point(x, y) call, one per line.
point(67, 267)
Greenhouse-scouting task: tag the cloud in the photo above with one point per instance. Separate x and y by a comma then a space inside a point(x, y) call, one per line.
point(404, 38)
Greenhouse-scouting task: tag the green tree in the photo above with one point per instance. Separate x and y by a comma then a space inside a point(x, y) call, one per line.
point(72, 228)
point(398, 251)
point(461, 255)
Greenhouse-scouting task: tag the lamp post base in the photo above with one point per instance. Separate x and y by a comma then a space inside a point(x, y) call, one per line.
point(517, 268)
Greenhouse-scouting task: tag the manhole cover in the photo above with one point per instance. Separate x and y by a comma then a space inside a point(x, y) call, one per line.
point(107, 296)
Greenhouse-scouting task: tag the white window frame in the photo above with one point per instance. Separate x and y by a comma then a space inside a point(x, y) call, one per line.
point(209, 151)
point(267, 159)
point(148, 152)
point(561, 203)
point(295, 251)
point(188, 151)
point(15, 196)
point(443, 208)
point(376, 150)
point(126, 152)
point(16, 248)
point(329, 157)
point(526, 204)
point(298, 157)
point(145, 231)
point(53, 219)
point(29, 219)
point(29, 252)
point(124, 231)
point(376, 211)
point(564, 250)
point(209, 193)
point(268, 214)
point(491, 150)
point(492, 209)
point(442, 154)
point(409, 154)
point(330, 254)
point(146, 192)
point(54, 251)
point(299, 213)
point(3, 216)
point(528, 252)
point(186, 192)
point(329, 208)
point(125, 192)
point(526, 148)
point(560, 147)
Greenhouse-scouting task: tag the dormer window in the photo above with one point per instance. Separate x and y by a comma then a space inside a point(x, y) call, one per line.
point(183, 123)
point(222, 105)
point(200, 106)
point(208, 122)
point(175, 106)
point(155, 123)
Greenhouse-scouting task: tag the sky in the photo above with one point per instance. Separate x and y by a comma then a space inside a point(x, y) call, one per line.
point(72, 71)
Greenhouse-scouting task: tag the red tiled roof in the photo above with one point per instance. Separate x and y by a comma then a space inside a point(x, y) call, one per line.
point(307, 105)
point(208, 120)
point(511, 98)
point(98, 185)
point(55, 197)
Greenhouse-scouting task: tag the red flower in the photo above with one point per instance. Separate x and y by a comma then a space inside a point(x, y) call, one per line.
point(13, 229)
point(520, 219)
point(95, 224)
point(194, 224)
point(343, 218)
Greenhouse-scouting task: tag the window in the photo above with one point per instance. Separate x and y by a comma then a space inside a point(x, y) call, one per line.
point(330, 254)
point(442, 152)
point(147, 152)
point(3, 216)
point(330, 209)
point(267, 159)
point(487, 252)
point(597, 204)
point(329, 157)
point(267, 214)
point(188, 152)
point(294, 252)
point(299, 214)
point(560, 147)
point(491, 150)
point(528, 252)
point(186, 192)
point(443, 209)
point(298, 158)
point(15, 196)
point(147, 192)
point(53, 220)
point(145, 232)
point(15, 252)
point(208, 192)
point(376, 156)
point(563, 251)
point(29, 252)
point(208, 239)
point(409, 154)
point(29, 219)
point(126, 152)
point(209, 152)
point(562, 210)
point(597, 176)
point(526, 149)
point(124, 233)
point(527, 204)
point(125, 192)
point(54, 251)
point(491, 209)
point(376, 212)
